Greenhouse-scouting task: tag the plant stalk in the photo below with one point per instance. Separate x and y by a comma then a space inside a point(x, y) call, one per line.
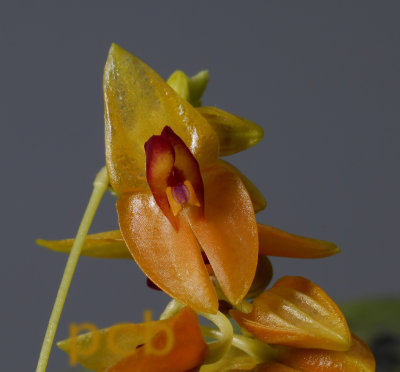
point(100, 185)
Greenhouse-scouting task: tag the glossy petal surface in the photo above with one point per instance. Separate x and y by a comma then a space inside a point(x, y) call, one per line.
point(276, 242)
point(139, 104)
point(170, 258)
point(108, 244)
point(188, 351)
point(296, 312)
point(228, 233)
point(357, 359)
point(234, 133)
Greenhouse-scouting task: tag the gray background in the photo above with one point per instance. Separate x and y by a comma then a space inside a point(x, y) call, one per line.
point(322, 78)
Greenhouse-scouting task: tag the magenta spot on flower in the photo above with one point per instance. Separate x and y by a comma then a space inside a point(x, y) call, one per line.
point(181, 194)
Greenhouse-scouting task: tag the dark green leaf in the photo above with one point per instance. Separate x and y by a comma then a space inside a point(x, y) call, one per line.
point(377, 322)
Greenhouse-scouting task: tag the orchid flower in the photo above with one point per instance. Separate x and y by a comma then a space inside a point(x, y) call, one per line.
point(175, 195)
point(186, 198)
point(188, 220)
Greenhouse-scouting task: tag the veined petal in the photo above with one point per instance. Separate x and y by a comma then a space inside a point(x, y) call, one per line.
point(257, 198)
point(170, 258)
point(228, 232)
point(188, 351)
point(296, 312)
point(275, 242)
point(138, 104)
point(108, 244)
point(357, 359)
point(234, 133)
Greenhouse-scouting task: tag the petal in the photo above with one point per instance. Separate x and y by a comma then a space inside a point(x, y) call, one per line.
point(228, 233)
point(357, 359)
point(179, 82)
point(170, 258)
point(139, 103)
point(234, 133)
point(257, 198)
point(296, 312)
point(275, 242)
point(188, 351)
point(189, 88)
point(108, 244)
point(197, 86)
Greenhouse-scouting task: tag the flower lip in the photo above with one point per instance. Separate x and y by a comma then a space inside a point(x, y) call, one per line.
point(173, 174)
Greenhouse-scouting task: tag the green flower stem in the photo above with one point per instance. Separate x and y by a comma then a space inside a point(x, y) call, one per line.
point(258, 350)
point(172, 308)
point(217, 349)
point(100, 185)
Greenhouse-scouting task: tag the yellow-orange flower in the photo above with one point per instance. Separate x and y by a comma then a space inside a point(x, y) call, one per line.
point(138, 105)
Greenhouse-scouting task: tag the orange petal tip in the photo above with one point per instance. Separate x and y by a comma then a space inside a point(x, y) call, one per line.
point(170, 257)
point(276, 242)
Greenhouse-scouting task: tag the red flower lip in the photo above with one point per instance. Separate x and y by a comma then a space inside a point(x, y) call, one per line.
point(173, 174)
